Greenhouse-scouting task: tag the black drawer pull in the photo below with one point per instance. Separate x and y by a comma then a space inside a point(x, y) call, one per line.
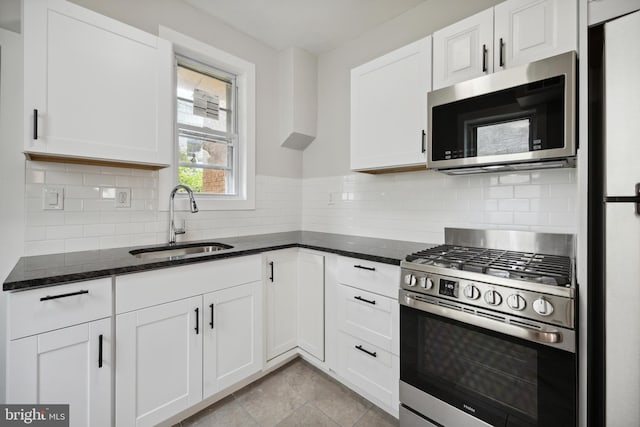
point(359, 298)
point(365, 268)
point(100, 351)
point(70, 294)
point(501, 53)
point(35, 123)
point(211, 323)
point(271, 265)
point(197, 321)
point(370, 353)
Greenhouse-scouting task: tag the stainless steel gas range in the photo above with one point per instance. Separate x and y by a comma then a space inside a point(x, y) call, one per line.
point(487, 331)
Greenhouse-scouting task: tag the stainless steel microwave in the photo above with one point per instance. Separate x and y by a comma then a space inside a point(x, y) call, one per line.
point(517, 119)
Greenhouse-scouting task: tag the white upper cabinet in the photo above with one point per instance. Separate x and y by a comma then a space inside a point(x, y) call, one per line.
point(388, 109)
point(463, 50)
point(533, 30)
point(94, 87)
point(512, 33)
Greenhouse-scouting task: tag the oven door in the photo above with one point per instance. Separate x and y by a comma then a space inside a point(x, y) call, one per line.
point(456, 372)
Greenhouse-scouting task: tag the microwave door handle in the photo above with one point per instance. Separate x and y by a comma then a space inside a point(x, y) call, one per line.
point(553, 337)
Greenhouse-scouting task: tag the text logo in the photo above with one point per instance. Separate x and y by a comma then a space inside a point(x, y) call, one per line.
point(34, 415)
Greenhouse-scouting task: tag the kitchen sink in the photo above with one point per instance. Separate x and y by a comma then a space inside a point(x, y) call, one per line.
point(179, 250)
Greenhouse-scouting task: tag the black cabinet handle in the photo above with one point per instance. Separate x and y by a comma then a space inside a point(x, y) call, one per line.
point(484, 58)
point(370, 353)
point(35, 123)
point(70, 294)
point(100, 351)
point(501, 52)
point(365, 268)
point(211, 323)
point(197, 320)
point(359, 298)
point(424, 143)
point(271, 265)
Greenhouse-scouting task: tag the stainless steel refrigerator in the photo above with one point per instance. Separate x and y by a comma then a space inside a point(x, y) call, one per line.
point(615, 243)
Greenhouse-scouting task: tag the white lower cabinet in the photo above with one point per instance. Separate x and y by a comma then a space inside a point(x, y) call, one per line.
point(367, 329)
point(311, 303)
point(159, 354)
point(370, 368)
point(232, 336)
point(178, 351)
point(72, 365)
point(281, 285)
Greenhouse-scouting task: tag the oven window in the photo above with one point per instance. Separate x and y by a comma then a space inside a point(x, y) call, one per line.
point(502, 378)
point(486, 365)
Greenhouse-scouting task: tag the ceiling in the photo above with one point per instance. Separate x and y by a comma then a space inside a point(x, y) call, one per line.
point(314, 25)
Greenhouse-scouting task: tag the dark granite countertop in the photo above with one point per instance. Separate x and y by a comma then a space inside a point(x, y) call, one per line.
point(57, 269)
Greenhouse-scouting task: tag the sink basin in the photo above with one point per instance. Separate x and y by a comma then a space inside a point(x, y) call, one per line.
point(179, 250)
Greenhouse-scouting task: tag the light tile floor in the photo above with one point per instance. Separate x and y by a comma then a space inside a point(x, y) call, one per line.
point(296, 394)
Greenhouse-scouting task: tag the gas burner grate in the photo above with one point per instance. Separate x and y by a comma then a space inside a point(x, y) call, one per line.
point(541, 268)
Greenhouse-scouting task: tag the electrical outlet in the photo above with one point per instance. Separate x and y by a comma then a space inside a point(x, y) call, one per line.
point(123, 197)
point(53, 198)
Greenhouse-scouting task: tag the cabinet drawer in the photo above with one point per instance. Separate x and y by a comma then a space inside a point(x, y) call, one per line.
point(372, 317)
point(369, 368)
point(375, 277)
point(44, 309)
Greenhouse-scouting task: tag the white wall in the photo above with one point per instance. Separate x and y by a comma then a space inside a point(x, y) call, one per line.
point(147, 15)
point(11, 170)
point(328, 155)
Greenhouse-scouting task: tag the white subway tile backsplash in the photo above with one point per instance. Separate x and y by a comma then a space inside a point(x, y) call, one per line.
point(505, 192)
point(90, 219)
point(412, 206)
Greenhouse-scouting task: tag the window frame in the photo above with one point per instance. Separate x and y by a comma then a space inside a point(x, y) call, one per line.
point(244, 73)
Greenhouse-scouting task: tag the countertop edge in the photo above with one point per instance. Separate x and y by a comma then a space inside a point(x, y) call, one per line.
point(129, 269)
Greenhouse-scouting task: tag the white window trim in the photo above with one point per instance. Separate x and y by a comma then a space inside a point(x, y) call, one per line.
point(246, 82)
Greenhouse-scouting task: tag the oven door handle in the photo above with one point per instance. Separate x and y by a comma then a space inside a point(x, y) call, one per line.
point(552, 337)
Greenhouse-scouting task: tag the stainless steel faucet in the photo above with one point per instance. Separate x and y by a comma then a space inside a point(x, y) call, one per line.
point(173, 231)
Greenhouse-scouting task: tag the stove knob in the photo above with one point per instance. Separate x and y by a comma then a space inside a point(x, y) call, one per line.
point(492, 297)
point(422, 281)
point(471, 292)
point(542, 307)
point(428, 284)
point(411, 280)
point(516, 302)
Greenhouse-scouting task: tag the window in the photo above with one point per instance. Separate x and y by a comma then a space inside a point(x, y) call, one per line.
point(207, 134)
point(216, 144)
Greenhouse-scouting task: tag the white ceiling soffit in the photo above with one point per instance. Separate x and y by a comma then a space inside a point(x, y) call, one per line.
point(314, 25)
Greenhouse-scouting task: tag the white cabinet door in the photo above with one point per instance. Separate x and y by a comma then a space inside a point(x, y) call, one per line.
point(282, 302)
point(94, 87)
point(311, 303)
point(388, 109)
point(530, 30)
point(159, 354)
point(463, 50)
point(67, 366)
point(232, 334)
